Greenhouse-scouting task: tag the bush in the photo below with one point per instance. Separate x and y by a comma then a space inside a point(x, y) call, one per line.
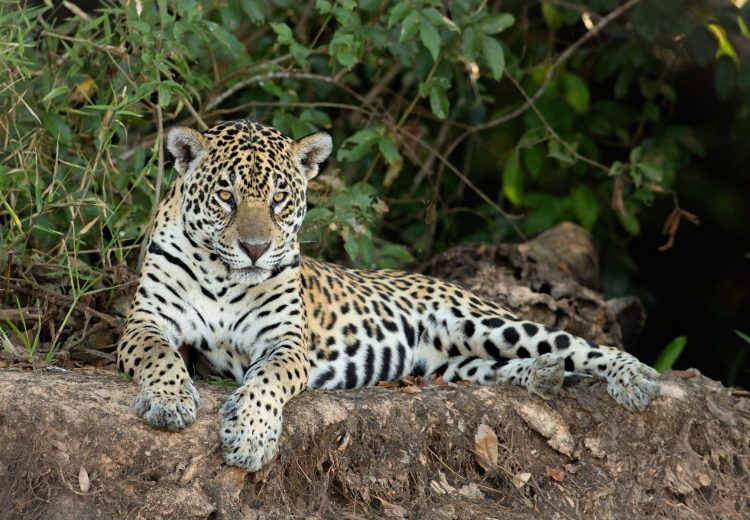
point(455, 121)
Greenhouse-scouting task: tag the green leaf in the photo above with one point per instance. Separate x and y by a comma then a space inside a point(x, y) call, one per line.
point(225, 38)
point(644, 196)
point(345, 48)
point(256, 10)
point(323, 6)
point(513, 179)
point(437, 18)
point(430, 38)
point(366, 249)
point(576, 92)
point(318, 215)
point(552, 16)
point(585, 206)
point(283, 33)
point(397, 251)
point(533, 160)
point(494, 55)
point(667, 357)
point(165, 96)
point(556, 150)
point(393, 172)
point(743, 28)
point(363, 142)
point(55, 124)
point(629, 222)
point(351, 246)
point(360, 195)
point(496, 23)
point(471, 44)
point(387, 146)
point(410, 26)
point(439, 103)
point(724, 46)
point(742, 335)
point(347, 18)
point(651, 172)
point(300, 53)
point(398, 13)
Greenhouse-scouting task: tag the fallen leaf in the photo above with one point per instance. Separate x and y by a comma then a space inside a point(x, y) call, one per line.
point(521, 479)
point(388, 384)
point(83, 480)
point(83, 91)
point(541, 418)
point(684, 374)
point(439, 381)
point(393, 510)
point(410, 390)
point(485, 446)
point(471, 491)
point(704, 479)
point(571, 468)
point(441, 486)
point(556, 473)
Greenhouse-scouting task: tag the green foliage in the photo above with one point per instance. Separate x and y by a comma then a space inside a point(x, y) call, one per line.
point(420, 96)
point(670, 354)
point(222, 382)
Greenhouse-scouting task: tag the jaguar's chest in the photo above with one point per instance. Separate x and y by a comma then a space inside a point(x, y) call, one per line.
point(231, 335)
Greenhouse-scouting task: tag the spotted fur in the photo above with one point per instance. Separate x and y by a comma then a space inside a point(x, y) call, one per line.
point(223, 276)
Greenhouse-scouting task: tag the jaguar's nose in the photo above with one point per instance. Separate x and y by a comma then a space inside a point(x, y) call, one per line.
point(254, 251)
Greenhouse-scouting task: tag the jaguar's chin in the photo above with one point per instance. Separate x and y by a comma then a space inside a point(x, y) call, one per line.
point(251, 275)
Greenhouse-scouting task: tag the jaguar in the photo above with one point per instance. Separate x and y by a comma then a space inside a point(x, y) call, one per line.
point(223, 278)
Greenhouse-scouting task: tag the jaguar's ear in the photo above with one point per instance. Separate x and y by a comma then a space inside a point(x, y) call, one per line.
point(187, 147)
point(311, 151)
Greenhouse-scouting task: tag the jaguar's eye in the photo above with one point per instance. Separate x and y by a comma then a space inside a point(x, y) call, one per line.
point(279, 197)
point(225, 196)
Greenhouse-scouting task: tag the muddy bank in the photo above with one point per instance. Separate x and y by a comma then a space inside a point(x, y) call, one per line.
point(71, 448)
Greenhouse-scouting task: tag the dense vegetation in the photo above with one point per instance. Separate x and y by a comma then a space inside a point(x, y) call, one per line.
point(454, 121)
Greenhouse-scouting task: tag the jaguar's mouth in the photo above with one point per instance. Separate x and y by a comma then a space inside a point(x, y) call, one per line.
point(251, 270)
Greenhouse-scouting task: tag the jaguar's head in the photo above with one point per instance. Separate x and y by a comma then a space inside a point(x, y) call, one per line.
point(244, 191)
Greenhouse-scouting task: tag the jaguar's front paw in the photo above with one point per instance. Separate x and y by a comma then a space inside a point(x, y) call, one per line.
point(634, 385)
point(168, 408)
point(250, 429)
point(546, 376)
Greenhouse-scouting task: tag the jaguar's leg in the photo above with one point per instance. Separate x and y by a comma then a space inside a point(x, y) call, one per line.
point(542, 376)
point(167, 397)
point(630, 382)
point(251, 417)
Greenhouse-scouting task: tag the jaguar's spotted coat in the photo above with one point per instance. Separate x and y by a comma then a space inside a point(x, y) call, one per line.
point(223, 275)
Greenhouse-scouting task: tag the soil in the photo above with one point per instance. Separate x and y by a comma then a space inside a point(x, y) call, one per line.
point(72, 448)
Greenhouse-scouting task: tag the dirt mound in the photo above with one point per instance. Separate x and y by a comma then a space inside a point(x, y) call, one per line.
point(73, 449)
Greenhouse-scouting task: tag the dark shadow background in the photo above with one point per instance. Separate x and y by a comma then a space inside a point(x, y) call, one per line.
point(701, 287)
